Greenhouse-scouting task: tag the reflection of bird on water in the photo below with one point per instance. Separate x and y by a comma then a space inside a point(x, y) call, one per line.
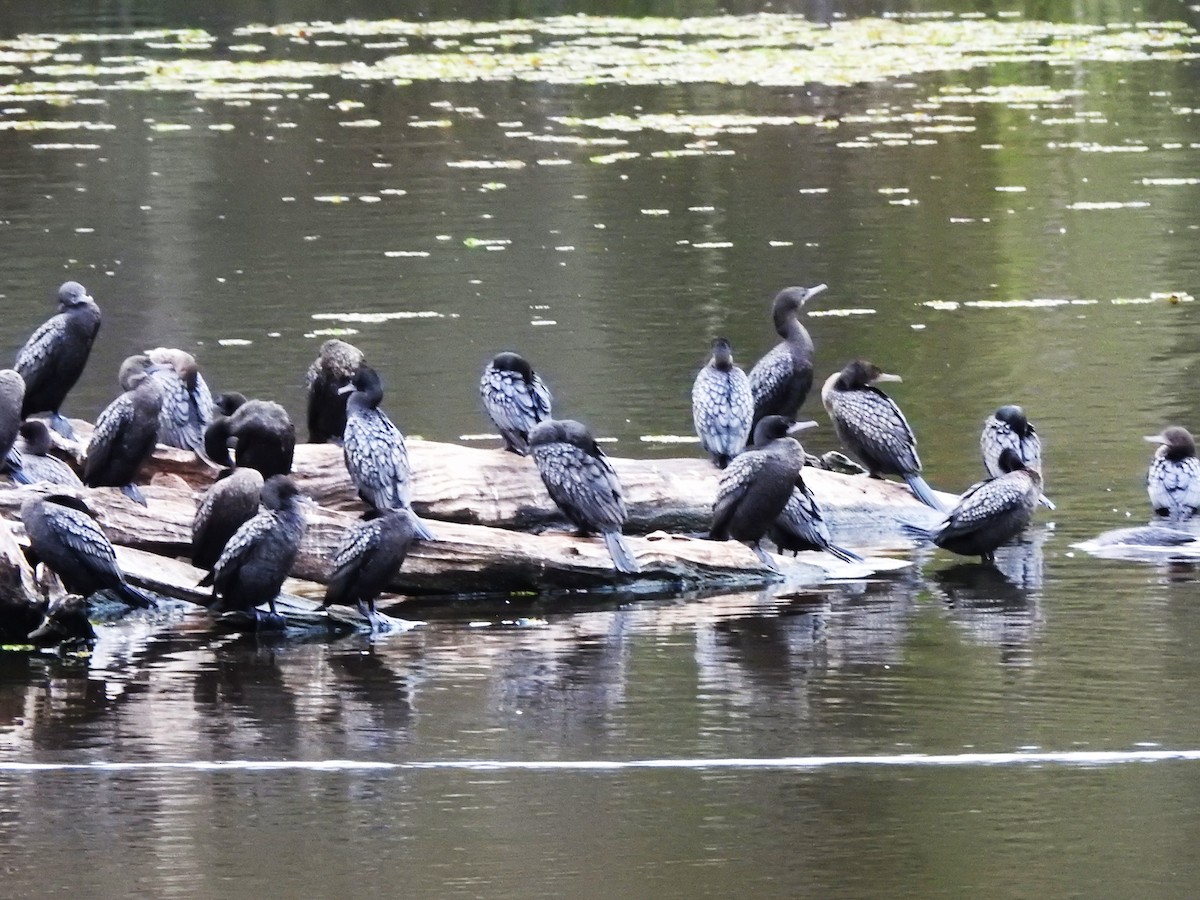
point(333, 368)
point(225, 507)
point(1173, 481)
point(756, 486)
point(722, 405)
point(781, 380)
point(260, 431)
point(1009, 427)
point(515, 399)
point(583, 484)
point(368, 558)
point(54, 356)
point(870, 425)
point(126, 431)
point(187, 403)
point(37, 463)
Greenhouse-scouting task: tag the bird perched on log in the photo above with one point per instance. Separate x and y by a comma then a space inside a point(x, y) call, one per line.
point(374, 449)
point(335, 365)
point(781, 380)
point(1008, 427)
point(1173, 481)
point(256, 561)
point(64, 535)
point(260, 432)
point(53, 358)
point(871, 427)
point(12, 396)
point(187, 403)
point(231, 502)
point(126, 431)
point(515, 399)
point(757, 484)
point(583, 484)
point(801, 526)
point(990, 512)
point(722, 405)
point(37, 463)
point(369, 557)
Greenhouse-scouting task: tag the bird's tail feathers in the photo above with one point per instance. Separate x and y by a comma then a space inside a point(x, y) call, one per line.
point(622, 556)
point(924, 492)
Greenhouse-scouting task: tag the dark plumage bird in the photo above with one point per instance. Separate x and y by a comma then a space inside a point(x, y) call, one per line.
point(583, 484)
point(801, 526)
point(515, 399)
point(990, 512)
point(260, 431)
point(54, 356)
point(374, 449)
point(1008, 427)
point(722, 405)
point(368, 558)
point(1173, 481)
point(12, 395)
point(65, 536)
point(66, 624)
point(870, 425)
point(126, 431)
point(252, 568)
point(333, 368)
point(757, 484)
point(37, 463)
point(187, 403)
point(225, 507)
point(781, 380)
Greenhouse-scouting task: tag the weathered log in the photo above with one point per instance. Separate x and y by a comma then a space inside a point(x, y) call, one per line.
point(21, 603)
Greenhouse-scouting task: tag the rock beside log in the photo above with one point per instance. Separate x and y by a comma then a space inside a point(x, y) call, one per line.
point(22, 606)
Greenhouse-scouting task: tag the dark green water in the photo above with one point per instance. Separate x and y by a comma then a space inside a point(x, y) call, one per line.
point(896, 169)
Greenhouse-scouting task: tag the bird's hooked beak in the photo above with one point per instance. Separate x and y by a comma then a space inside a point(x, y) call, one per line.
point(886, 376)
point(1159, 438)
point(347, 388)
point(816, 289)
point(797, 427)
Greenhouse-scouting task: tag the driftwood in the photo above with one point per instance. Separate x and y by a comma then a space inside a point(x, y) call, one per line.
point(21, 603)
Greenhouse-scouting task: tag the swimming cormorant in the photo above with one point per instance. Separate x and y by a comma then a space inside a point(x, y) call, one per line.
point(370, 555)
point(260, 431)
point(1008, 427)
point(757, 484)
point(1173, 481)
point(781, 380)
point(37, 463)
point(583, 484)
point(722, 405)
point(252, 568)
point(515, 399)
point(225, 507)
point(126, 431)
point(870, 425)
point(333, 368)
point(187, 403)
point(64, 535)
point(801, 526)
point(54, 356)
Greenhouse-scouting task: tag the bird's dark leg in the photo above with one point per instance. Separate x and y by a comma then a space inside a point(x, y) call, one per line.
point(764, 557)
point(131, 491)
point(60, 424)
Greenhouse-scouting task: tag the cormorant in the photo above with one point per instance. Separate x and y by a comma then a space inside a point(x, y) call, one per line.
point(37, 463)
point(258, 557)
point(12, 395)
point(990, 512)
point(722, 405)
point(187, 403)
point(374, 450)
point(583, 484)
point(126, 431)
point(64, 535)
point(54, 356)
point(781, 380)
point(260, 431)
point(333, 368)
point(1173, 481)
point(225, 507)
point(801, 526)
point(66, 624)
point(368, 558)
point(757, 484)
point(1008, 427)
point(870, 425)
point(515, 399)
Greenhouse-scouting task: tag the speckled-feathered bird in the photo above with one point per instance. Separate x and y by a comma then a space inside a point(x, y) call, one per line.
point(256, 561)
point(66, 624)
point(369, 556)
point(126, 431)
point(374, 449)
point(515, 399)
point(64, 536)
point(54, 356)
point(583, 484)
point(225, 507)
point(801, 526)
point(872, 428)
point(333, 368)
point(187, 403)
point(990, 512)
point(722, 405)
point(260, 432)
point(12, 395)
point(781, 380)
point(1008, 427)
point(37, 463)
point(1173, 481)
point(757, 484)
